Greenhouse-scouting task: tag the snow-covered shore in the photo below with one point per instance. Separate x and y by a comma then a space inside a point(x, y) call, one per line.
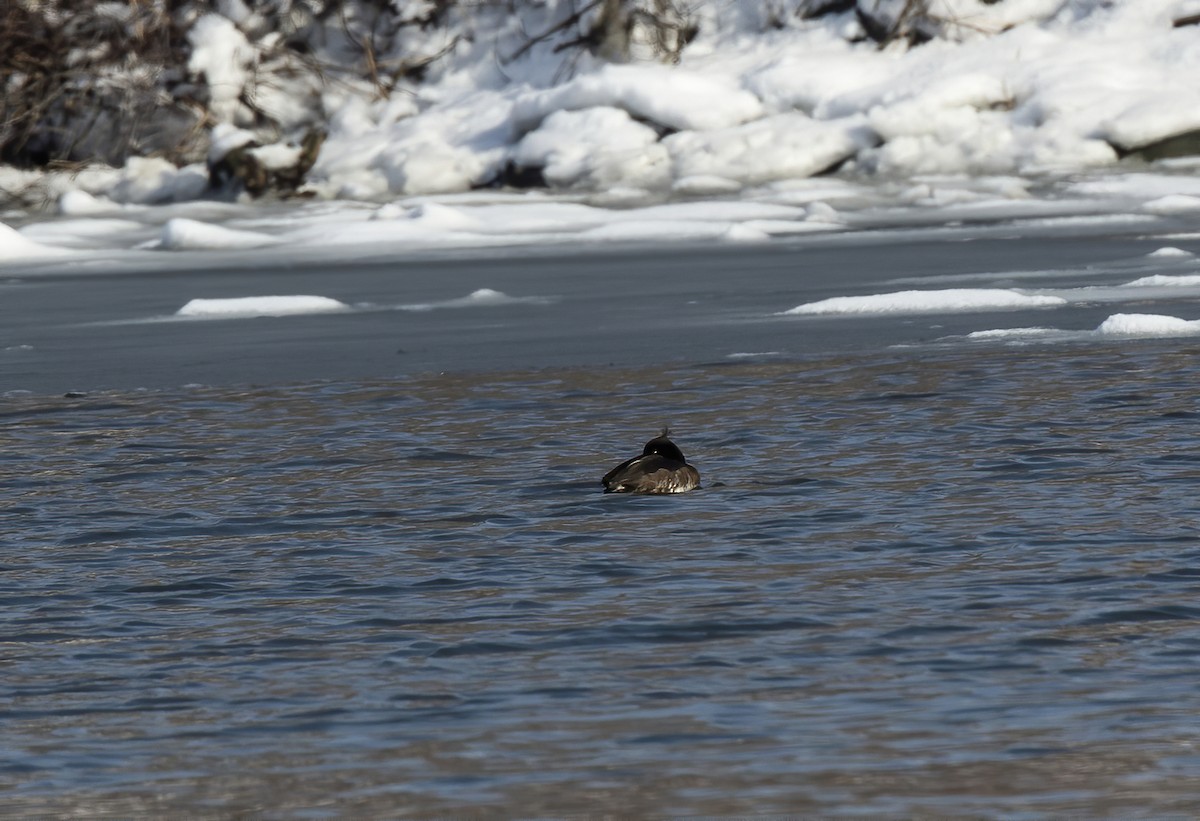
point(1026, 107)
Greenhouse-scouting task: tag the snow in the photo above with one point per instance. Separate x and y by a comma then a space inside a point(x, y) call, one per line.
point(154, 180)
point(15, 246)
point(1165, 281)
point(481, 298)
point(182, 234)
point(1173, 204)
point(674, 98)
point(1116, 326)
point(221, 53)
point(1147, 325)
point(595, 146)
point(81, 203)
point(947, 301)
point(259, 306)
point(783, 146)
point(1016, 111)
point(227, 137)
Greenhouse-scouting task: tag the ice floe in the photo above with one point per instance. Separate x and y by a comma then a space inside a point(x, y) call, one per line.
point(480, 298)
point(260, 306)
point(946, 301)
point(1116, 326)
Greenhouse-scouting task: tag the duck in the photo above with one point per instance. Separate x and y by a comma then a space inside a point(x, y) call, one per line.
point(660, 469)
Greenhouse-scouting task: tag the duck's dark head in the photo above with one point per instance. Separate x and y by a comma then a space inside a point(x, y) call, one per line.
point(663, 446)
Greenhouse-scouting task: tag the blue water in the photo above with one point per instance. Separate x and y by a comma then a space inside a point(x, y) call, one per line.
point(360, 564)
point(928, 581)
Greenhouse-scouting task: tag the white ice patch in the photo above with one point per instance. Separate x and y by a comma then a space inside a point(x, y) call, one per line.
point(1170, 252)
point(1118, 326)
point(948, 301)
point(1165, 281)
point(82, 233)
point(256, 306)
point(657, 230)
point(1173, 204)
point(181, 234)
point(1148, 325)
point(481, 298)
point(1011, 334)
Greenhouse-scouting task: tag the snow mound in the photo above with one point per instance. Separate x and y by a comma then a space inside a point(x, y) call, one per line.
point(1170, 252)
point(596, 146)
point(1148, 325)
point(181, 234)
point(1173, 204)
point(948, 301)
point(481, 298)
point(255, 306)
point(674, 98)
point(153, 180)
point(781, 147)
point(76, 203)
point(14, 246)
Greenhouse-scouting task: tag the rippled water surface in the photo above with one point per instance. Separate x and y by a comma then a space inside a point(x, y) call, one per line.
point(934, 580)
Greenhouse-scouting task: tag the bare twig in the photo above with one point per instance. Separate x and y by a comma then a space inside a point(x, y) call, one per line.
point(557, 27)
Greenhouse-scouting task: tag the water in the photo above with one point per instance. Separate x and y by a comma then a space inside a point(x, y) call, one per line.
point(935, 579)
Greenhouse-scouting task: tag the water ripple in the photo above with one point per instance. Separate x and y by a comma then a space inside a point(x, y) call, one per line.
point(916, 576)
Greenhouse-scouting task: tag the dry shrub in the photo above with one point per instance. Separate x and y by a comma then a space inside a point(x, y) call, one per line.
point(93, 85)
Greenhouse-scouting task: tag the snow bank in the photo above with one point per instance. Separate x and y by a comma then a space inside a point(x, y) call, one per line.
point(256, 306)
point(951, 300)
point(779, 147)
point(1022, 88)
point(451, 147)
point(673, 98)
point(595, 147)
point(181, 234)
point(15, 247)
point(154, 180)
